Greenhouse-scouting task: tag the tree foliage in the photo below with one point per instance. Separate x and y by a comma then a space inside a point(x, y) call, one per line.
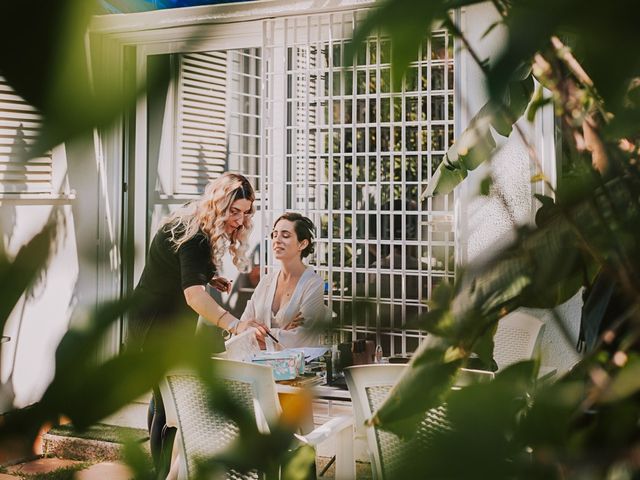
point(583, 425)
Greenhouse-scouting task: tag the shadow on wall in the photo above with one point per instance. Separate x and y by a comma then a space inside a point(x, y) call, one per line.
point(41, 316)
point(14, 181)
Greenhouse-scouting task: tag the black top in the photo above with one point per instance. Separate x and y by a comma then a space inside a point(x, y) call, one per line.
point(167, 272)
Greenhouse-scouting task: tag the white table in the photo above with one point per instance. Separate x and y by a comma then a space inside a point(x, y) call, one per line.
point(324, 392)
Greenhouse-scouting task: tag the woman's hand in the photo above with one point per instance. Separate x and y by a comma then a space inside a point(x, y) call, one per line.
point(260, 330)
point(221, 284)
point(295, 323)
point(246, 324)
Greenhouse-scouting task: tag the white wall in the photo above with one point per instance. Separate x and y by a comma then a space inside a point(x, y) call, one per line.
point(487, 222)
point(73, 281)
point(41, 317)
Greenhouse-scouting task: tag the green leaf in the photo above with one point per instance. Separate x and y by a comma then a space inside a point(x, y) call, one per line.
point(537, 102)
point(531, 25)
point(510, 288)
point(478, 442)
point(476, 144)
point(438, 319)
point(492, 289)
point(556, 271)
point(500, 401)
point(55, 50)
point(445, 179)
point(625, 382)
point(512, 106)
point(484, 346)
point(137, 460)
point(441, 295)
point(405, 31)
point(439, 322)
point(424, 384)
point(119, 380)
point(56, 79)
point(521, 91)
point(548, 423)
point(300, 464)
point(264, 452)
point(485, 185)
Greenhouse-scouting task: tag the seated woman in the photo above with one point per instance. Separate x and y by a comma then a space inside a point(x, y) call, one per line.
point(290, 300)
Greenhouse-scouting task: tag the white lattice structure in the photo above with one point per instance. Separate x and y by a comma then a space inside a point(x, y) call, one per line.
point(354, 155)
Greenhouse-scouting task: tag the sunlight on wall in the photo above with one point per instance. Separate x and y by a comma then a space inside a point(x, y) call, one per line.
point(41, 318)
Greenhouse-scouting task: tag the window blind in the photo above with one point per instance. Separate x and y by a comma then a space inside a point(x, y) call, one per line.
point(20, 124)
point(202, 120)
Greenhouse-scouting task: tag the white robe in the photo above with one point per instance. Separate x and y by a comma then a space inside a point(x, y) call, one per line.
point(306, 298)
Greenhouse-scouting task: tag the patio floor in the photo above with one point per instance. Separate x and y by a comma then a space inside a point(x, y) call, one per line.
point(85, 471)
point(119, 471)
point(91, 459)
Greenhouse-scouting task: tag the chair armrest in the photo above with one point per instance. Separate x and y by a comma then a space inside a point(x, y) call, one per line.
point(327, 430)
point(546, 374)
point(340, 429)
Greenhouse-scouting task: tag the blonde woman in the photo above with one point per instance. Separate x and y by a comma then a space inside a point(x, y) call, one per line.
point(183, 258)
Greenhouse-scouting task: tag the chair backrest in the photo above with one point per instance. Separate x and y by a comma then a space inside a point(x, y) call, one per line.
point(517, 338)
point(202, 432)
point(369, 386)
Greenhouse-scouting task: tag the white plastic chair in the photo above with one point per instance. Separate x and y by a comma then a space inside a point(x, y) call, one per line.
point(203, 433)
point(517, 338)
point(369, 386)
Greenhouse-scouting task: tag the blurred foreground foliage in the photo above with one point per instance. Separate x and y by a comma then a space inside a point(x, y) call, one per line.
point(585, 424)
point(50, 69)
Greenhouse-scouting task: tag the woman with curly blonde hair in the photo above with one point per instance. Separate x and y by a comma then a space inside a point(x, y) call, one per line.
point(184, 256)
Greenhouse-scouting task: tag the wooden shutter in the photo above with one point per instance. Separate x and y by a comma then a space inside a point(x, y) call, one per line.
point(19, 127)
point(202, 121)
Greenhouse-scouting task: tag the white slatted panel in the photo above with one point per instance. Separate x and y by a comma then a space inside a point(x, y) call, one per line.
point(202, 120)
point(357, 157)
point(305, 119)
point(19, 127)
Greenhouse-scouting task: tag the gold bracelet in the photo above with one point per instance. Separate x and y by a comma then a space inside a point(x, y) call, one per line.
point(220, 318)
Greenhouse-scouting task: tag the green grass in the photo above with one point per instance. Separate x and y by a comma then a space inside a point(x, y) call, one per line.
point(102, 432)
